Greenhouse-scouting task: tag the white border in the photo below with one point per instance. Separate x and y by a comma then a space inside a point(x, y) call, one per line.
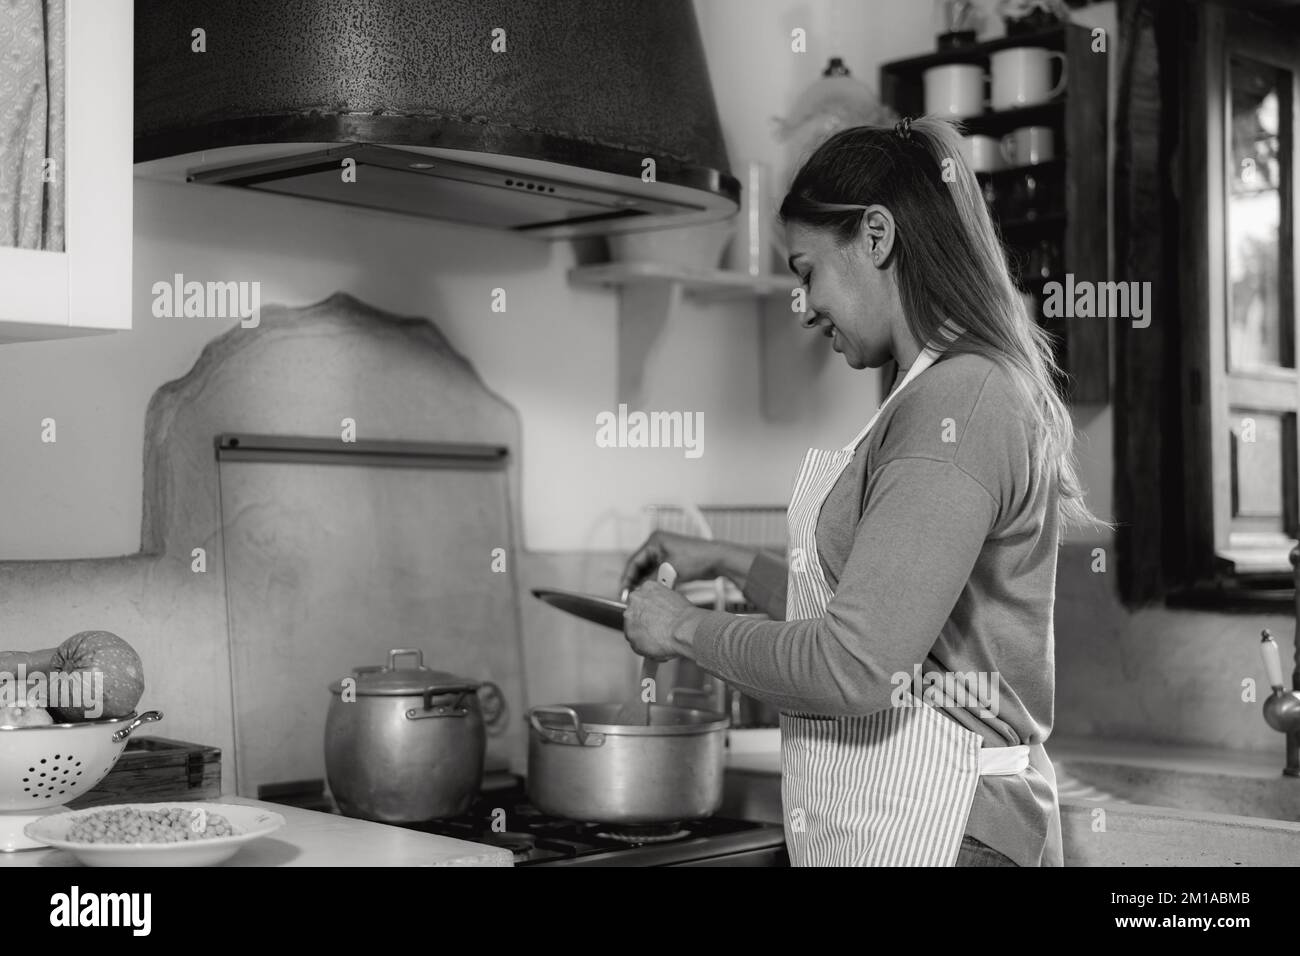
point(88, 285)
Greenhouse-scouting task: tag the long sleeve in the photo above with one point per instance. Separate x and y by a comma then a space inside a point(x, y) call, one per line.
point(921, 532)
point(765, 585)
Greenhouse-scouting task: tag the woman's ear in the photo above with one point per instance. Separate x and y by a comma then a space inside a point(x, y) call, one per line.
point(878, 231)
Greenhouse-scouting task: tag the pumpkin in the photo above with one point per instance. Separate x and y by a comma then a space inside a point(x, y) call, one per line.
point(80, 658)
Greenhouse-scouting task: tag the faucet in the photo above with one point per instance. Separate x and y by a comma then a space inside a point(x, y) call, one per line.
point(1282, 708)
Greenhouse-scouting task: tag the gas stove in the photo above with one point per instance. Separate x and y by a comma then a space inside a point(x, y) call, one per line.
point(502, 816)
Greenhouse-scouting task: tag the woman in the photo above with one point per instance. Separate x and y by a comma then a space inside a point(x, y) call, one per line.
point(911, 650)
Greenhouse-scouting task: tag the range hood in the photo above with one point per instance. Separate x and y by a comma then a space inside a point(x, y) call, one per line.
point(544, 118)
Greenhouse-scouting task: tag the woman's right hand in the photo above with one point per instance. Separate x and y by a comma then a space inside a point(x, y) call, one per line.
point(692, 558)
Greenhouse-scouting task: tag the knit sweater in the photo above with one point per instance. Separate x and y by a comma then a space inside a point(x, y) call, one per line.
point(940, 544)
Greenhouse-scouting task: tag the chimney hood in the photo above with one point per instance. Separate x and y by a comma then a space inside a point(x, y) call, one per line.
point(544, 118)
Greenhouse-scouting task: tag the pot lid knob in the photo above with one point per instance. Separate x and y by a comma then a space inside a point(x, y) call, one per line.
point(392, 680)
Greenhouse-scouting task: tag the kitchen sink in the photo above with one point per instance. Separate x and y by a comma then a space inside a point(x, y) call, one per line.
point(1120, 814)
point(1271, 798)
point(1130, 834)
point(1141, 804)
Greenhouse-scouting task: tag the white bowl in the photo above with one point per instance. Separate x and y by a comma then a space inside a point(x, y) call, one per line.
point(249, 823)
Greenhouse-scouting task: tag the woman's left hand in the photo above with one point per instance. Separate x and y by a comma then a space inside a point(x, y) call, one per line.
point(651, 620)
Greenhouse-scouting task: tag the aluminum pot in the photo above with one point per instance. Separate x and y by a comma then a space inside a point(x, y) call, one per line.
point(406, 744)
point(584, 766)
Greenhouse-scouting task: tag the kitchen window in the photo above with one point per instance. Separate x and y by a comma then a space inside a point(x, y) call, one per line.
point(1245, 392)
point(1259, 370)
point(1207, 404)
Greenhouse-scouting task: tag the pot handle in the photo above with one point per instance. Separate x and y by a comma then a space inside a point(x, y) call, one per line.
point(457, 709)
point(393, 655)
point(147, 717)
point(575, 736)
point(496, 711)
point(677, 692)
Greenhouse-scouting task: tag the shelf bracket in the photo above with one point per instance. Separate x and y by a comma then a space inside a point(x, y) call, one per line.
point(643, 312)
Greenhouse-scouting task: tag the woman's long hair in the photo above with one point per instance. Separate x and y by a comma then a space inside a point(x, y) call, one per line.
point(949, 264)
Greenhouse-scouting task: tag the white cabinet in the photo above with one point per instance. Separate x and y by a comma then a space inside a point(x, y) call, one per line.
point(86, 288)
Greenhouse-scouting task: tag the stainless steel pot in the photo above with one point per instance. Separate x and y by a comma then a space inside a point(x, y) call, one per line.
point(405, 745)
point(584, 766)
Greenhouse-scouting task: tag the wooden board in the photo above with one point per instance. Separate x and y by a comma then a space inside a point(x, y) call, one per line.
point(155, 769)
point(328, 567)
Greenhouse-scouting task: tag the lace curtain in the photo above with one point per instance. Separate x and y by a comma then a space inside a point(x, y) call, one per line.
point(32, 103)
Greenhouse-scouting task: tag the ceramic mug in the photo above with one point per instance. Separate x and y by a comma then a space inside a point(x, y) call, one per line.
point(982, 153)
point(954, 90)
point(1028, 146)
point(1022, 76)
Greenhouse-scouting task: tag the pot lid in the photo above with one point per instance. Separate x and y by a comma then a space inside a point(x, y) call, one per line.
point(390, 680)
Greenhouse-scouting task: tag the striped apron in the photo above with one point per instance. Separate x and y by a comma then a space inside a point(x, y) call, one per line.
point(891, 789)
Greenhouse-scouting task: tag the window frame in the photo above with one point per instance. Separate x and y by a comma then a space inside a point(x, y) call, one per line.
point(1218, 553)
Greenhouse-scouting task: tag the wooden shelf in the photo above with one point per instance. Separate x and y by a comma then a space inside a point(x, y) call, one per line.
point(650, 293)
point(1078, 212)
point(1052, 39)
point(1001, 122)
point(708, 285)
point(1047, 168)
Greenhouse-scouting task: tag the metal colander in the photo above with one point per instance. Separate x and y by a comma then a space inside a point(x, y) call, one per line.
point(42, 768)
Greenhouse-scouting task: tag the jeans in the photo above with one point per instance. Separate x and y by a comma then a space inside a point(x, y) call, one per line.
point(973, 852)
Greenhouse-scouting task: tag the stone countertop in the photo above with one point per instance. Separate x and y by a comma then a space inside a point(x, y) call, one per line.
point(311, 838)
point(1181, 757)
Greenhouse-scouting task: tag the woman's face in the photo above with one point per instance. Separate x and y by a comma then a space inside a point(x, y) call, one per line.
point(852, 298)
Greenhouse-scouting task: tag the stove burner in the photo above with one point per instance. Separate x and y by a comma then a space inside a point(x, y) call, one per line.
point(536, 839)
point(520, 844)
point(644, 833)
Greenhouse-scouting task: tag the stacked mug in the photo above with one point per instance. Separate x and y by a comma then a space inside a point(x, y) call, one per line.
point(1018, 77)
point(1025, 146)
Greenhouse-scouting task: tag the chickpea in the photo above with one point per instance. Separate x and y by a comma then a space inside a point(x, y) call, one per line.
point(166, 825)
